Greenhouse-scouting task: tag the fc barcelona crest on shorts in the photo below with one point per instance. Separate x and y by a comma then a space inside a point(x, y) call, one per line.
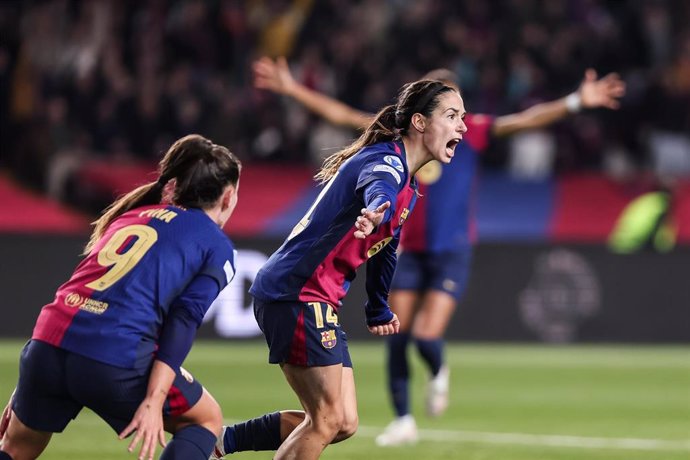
point(328, 339)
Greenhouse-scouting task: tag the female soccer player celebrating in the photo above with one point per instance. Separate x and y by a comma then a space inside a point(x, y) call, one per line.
point(370, 191)
point(117, 332)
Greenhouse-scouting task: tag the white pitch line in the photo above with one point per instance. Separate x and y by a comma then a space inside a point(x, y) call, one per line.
point(525, 439)
point(540, 440)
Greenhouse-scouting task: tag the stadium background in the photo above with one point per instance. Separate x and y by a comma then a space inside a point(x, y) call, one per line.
point(91, 93)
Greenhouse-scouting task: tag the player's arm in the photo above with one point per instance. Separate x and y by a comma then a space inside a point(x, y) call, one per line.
point(592, 93)
point(378, 185)
point(380, 268)
point(187, 310)
point(275, 76)
point(378, 196)
point(185, 316)
point(148, 419)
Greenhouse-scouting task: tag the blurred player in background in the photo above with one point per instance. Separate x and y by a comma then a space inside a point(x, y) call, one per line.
point(436, 245)
point(369, 192)
point(114, 338)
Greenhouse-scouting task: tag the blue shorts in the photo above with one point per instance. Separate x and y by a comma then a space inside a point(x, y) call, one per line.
point(54, 385)
point(302, 333)
point(422, 271)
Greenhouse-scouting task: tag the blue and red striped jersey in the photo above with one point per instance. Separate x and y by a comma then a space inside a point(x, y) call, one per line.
point(443, 218)
point(149, 260)
point(318, 260)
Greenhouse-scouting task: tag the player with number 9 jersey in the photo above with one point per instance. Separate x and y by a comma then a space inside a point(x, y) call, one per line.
point(149, 259)
point(116, 334)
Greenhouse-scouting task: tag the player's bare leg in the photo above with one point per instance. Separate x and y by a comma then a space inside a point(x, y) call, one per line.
point(320, 392)
point(22, 442)
point(434, 315)
point(349, 401)
point(403, 304)
point(291, 419)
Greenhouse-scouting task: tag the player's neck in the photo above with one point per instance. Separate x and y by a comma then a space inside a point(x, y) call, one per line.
point(416, 155)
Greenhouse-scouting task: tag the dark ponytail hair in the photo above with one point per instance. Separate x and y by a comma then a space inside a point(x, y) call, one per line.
point(392, 122)
point(201, 170)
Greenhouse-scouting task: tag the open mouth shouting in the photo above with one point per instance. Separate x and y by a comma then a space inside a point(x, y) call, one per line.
point(450, 146)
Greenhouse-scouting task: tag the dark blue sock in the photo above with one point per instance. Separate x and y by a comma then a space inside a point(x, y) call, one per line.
point(261, 433)
point(5, 456)
point(192, 442)
point(399, 372)
point(432, 353)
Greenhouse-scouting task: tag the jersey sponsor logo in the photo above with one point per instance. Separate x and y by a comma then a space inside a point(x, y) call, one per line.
point(394, 161)
point(94, 306)
point(186, 374)
point(378, 246)
point(328, 339)
point(75, 300)
point(429, 173)
point(403, 215)
point(389, 170)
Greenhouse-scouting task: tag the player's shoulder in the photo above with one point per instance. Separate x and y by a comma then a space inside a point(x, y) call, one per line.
point(206, 241)
point(381, 149)
point(386, 153)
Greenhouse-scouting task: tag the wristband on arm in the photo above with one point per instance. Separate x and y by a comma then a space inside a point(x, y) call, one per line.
point(573, 102)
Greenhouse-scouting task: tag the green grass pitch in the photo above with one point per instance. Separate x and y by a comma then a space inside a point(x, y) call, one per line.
point(513, 402)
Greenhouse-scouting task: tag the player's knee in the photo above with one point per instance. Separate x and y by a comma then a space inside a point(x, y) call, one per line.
point(15, 451)
point(348, 427)
point(428, 330)
point(208, 414)
point(214, 422)
point(22, 443)
point(328, 423)
point(5, 453)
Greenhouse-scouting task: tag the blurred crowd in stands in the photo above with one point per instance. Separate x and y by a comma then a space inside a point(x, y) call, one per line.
point(118, 80)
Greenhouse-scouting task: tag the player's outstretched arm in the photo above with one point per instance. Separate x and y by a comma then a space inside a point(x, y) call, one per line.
point(592, 93)
point(276, 76)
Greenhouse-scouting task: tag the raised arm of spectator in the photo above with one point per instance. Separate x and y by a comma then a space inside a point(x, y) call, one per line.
point(275, 76)
point(592, 93)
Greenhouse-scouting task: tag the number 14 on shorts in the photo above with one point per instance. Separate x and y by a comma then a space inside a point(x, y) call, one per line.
point(331, 316)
